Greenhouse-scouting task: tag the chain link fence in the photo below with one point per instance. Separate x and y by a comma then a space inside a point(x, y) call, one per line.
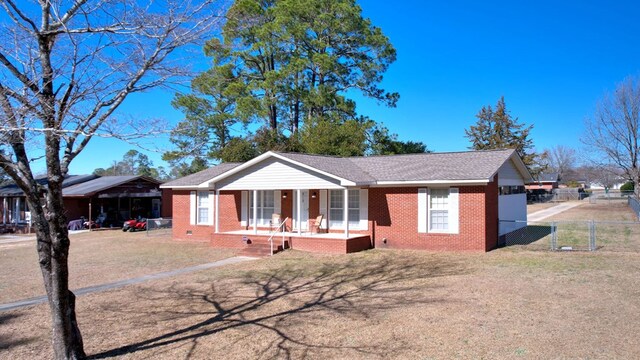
point(159, 226)
point(622, 236)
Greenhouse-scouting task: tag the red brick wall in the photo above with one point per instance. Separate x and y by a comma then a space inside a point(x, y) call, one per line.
point(393, 214)
point(181, 226)
point(491, 213)
point(167, 204)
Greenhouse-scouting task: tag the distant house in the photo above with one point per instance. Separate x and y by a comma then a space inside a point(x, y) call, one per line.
point(435, 201)
point(108, 199)
point(543, 182)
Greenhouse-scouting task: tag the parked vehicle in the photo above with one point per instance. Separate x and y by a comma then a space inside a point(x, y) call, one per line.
point(135, 225)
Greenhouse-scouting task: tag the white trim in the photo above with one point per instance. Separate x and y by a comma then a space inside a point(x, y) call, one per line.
point(255, 211)
point(432, 182)
point(244, 208)
point(210, 206)
point(277, 202)
point(422, 210)
point(345, 212)
point(268, 154)
point(364, 209)
point(193, 206)
point(324, 208)
point(217, 210)
point(454, 209)
point(299, 210)
point(520, 165)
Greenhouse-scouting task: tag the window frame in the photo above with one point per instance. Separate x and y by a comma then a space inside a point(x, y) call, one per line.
point(354, 207)
point(200, 206)
point(444, 207)
point(261, 219)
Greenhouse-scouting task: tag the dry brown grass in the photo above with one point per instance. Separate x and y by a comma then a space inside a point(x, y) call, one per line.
point(531, 208)
point(375, 304)
point(507, 304)
point(97, 258)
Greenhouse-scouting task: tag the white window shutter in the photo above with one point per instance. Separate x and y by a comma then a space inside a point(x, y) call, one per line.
point(422, 210)
point(453, 210)
point(364, 209)
point(210, 206)
point(193, 208)
point(244, 211)
point(323, 208)
point(277, 202)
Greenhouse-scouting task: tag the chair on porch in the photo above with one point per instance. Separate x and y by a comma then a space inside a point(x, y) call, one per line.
point(275, 222)
point(317, 224)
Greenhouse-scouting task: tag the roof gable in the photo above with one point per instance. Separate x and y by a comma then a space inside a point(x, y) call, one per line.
point(277, 174)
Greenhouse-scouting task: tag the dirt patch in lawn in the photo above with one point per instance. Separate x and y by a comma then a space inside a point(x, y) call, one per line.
point(375, 304)
point(100, 257)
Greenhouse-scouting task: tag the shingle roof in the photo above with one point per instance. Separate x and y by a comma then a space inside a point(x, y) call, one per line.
point(469, 165)
point(70, 180)
point(453, 166)
point(102, 183)
point(337, 166)
point(201, 176)
point(550, 177)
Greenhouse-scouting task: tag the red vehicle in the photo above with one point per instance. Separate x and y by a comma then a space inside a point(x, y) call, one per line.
point(135, 225)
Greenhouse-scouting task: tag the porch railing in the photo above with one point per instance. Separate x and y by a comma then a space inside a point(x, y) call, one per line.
point(275, 232)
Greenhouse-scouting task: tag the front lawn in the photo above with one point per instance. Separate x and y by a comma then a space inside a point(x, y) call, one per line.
point(374, 304)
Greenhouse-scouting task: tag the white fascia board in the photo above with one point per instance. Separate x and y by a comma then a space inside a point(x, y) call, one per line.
point(186, 187)
point(343, 182)
point(431, 182)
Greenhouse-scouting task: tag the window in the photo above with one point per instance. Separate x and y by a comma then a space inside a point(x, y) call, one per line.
point(336, 208)
point(512, 190)
point(17, 210)
point(439, 210)
point(203, 207)
point(266, 207)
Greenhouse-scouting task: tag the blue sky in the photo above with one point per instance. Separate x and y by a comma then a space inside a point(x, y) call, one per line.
point(552, 61)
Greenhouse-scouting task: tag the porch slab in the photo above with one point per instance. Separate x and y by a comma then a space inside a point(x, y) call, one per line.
point(311, 242)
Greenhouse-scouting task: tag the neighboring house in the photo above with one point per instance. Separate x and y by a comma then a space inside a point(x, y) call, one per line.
point(13, 205)
point(544, 182)
point(109, 199)
point(435, 201)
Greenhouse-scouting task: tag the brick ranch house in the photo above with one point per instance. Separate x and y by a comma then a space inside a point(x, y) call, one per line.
point(433, 201)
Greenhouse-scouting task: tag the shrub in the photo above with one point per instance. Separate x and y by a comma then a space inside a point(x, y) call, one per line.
point(628, 186)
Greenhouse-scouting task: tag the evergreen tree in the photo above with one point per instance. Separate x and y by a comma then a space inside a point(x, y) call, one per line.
point(287, 67)
point(496, 129)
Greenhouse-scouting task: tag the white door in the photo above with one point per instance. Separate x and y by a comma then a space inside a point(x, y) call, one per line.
point(304, 209)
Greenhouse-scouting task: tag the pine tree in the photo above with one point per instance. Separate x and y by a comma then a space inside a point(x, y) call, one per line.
point(497, 129)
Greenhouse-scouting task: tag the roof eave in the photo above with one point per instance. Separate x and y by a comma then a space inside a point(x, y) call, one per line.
point(448, 182)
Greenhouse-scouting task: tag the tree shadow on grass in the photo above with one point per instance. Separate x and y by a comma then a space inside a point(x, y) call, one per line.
point(282, 303)
point(7, 342)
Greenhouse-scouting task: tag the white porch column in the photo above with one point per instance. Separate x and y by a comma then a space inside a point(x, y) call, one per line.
point(4, 210)
point(255, 212)
point(346, 213)
point(217, 210)
point(298, 211)
point(16, 217)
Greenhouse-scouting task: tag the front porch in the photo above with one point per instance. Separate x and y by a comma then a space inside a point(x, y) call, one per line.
point(257, 243)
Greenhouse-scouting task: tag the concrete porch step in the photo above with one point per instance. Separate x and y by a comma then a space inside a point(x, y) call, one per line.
point(259, 250)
